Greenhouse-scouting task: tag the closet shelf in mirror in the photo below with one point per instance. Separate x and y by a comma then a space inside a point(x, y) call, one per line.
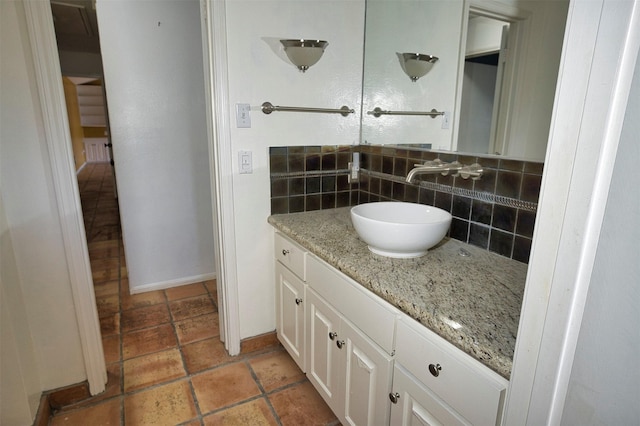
point(377, 112)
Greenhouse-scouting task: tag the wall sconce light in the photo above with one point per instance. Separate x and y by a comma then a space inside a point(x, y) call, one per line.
point(304, 53)
point(417, 65)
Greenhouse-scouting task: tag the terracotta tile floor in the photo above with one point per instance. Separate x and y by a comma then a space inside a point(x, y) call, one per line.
point(166, 364)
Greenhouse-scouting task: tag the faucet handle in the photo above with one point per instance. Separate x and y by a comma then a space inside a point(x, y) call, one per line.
point(453, 168)
point(473, 171)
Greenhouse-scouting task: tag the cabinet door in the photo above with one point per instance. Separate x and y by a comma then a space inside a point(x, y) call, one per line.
point(468, 387)
point(416, 405)
point(290, 313)
point(367, 379)
point(324, 359)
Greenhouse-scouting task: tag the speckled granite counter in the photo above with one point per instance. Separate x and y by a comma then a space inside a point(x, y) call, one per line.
point(473, 302)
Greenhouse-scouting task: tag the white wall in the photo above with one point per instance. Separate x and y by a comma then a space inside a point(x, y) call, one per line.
point(536, 93)
point(35, 277)
point(476, 109)
point(605, 381)
point(152, 55)
point(259, 72)
point(20, 386)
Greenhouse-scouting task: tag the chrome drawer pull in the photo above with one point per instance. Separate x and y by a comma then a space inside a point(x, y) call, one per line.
point(340, 344)
point(394, 397)
point(298, 301)
point(435, 369)
point(332, 335)
point(285, 252)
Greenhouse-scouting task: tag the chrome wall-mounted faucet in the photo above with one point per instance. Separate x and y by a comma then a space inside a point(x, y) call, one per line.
point(473, 171)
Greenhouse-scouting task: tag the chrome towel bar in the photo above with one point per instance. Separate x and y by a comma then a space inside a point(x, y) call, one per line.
point(268, 108)
point(377, 112)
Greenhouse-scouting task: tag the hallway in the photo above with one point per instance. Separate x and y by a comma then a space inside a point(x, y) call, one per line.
point(166, 364)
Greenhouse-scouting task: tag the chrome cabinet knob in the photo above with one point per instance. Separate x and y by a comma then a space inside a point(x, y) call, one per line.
point(394, 397)
point(435, 369)
point(298, 301)
point(340, 344)
point(332, 335)
point(285, 252)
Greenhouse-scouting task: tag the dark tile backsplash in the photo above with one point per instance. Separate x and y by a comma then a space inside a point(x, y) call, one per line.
point(306, 178)
point(496, 212)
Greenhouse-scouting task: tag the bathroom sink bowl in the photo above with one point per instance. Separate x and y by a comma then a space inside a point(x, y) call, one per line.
point(398, 229)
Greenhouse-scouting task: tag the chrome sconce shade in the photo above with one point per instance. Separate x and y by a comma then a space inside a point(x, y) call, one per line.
point(304, 53)
point(417, 65)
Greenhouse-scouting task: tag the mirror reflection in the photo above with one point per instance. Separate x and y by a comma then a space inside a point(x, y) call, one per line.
point(494, 81)
point(486, 60)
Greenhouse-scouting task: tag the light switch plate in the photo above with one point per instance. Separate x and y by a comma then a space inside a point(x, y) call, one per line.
point(243, 116)
point(446, 120)
point(245, 162)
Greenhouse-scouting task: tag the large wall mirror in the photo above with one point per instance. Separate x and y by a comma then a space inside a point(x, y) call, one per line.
point(493, 81)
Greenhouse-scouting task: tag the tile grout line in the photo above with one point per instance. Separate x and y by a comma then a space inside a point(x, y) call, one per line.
point(105, 253)
point(188, 374)
point(263, 393)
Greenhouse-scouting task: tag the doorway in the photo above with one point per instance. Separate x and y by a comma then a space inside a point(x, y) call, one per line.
point(77, 38)
point(490, 71)
point(485, 58)
point(39, 19)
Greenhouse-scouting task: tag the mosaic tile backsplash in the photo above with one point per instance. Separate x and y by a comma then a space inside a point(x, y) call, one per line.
point(496, 212)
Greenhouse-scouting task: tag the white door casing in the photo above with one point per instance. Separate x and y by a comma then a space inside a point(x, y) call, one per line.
point(214, 45)
point(54, 111)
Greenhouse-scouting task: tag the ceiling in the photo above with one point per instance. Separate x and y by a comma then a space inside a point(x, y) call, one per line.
point(76, 25)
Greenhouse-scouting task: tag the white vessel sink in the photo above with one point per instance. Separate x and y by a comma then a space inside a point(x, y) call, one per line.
point(399, 229)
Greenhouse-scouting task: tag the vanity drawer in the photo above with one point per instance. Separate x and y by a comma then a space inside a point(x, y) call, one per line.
point(469, 387)
point(291, 255)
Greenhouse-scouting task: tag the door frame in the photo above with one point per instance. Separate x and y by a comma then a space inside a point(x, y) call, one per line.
point(44, 52)
point(48, 75)
point(214, 46)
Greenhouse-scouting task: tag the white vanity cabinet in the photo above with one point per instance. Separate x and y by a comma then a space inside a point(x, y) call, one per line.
point(350, 335)
point(372, 363)
point(348, 369)
point(290, 295)
point(436, 383)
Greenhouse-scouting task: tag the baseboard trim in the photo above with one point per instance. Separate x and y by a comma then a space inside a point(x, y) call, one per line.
point(259, 343)
point(53, 400)
point(81, 167)
point(44, 411)
point(172, 283)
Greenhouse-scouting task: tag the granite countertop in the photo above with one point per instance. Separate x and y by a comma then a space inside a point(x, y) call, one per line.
point(473, 302)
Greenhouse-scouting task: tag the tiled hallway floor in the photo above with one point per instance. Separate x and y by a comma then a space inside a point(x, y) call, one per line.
point(166, 364)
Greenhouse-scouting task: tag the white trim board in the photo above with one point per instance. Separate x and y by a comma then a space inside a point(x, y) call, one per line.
point(163, 285)
point(54, 112)
point(214, 42)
